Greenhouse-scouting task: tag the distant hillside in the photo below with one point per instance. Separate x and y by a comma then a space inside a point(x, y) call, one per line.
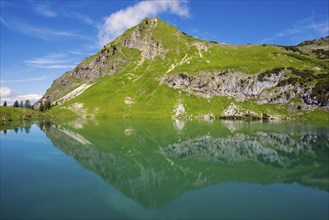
point(321, 41)
point(155, 70)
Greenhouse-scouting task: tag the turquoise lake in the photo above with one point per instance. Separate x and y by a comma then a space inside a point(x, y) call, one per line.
point(165, 169)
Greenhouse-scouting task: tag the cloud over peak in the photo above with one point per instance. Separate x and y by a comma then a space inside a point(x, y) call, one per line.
point(118, 22)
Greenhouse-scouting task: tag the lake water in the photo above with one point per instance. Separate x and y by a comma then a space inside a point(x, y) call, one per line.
point(163, 169)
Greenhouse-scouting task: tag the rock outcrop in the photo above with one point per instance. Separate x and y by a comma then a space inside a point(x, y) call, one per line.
point(179, 112)
point(275, 86)
point(227, 83)
point(235, 112)
point(150, 47)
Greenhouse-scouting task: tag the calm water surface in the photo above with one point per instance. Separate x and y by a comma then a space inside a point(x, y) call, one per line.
point(159, 169)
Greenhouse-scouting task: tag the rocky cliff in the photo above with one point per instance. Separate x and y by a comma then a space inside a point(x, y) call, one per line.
point(276, 86)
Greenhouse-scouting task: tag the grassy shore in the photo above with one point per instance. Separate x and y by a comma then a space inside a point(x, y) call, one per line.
point(15, 116)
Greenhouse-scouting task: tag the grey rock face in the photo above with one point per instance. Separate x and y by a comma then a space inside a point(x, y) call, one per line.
point(279, 95)
point(263, 88)
point(146, 43)
point(255, 86)
point(237, 85)
point(308, 99)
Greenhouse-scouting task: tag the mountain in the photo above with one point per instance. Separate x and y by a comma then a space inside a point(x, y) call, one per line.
point(155, 70)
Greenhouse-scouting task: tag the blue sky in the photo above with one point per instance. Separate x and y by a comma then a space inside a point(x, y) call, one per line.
point(41, 40)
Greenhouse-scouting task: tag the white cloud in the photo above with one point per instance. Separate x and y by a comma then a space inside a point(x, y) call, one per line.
point(46, 34)
point(43, 33)
point(307, 27)
point(203, 34)
point(87, 50)
point(118, 22)
point(41, 78)
point(75, 52)
point(5, 92)
point(51, 61)
point(81, 17)
point(5, 23)
point(8, 95)
point(44, 10)
point(32, 97)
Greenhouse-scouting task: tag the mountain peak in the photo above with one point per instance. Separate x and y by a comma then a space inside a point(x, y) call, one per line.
point(155, 67)
point(147, 36)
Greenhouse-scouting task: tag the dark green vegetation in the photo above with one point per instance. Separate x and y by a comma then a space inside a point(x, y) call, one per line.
point(156, 161)
point(44, 106)
point(321, 91)
point(23, 112)
point(140, 75)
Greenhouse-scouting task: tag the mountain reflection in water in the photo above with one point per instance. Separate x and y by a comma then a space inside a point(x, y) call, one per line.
point(154, 162)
